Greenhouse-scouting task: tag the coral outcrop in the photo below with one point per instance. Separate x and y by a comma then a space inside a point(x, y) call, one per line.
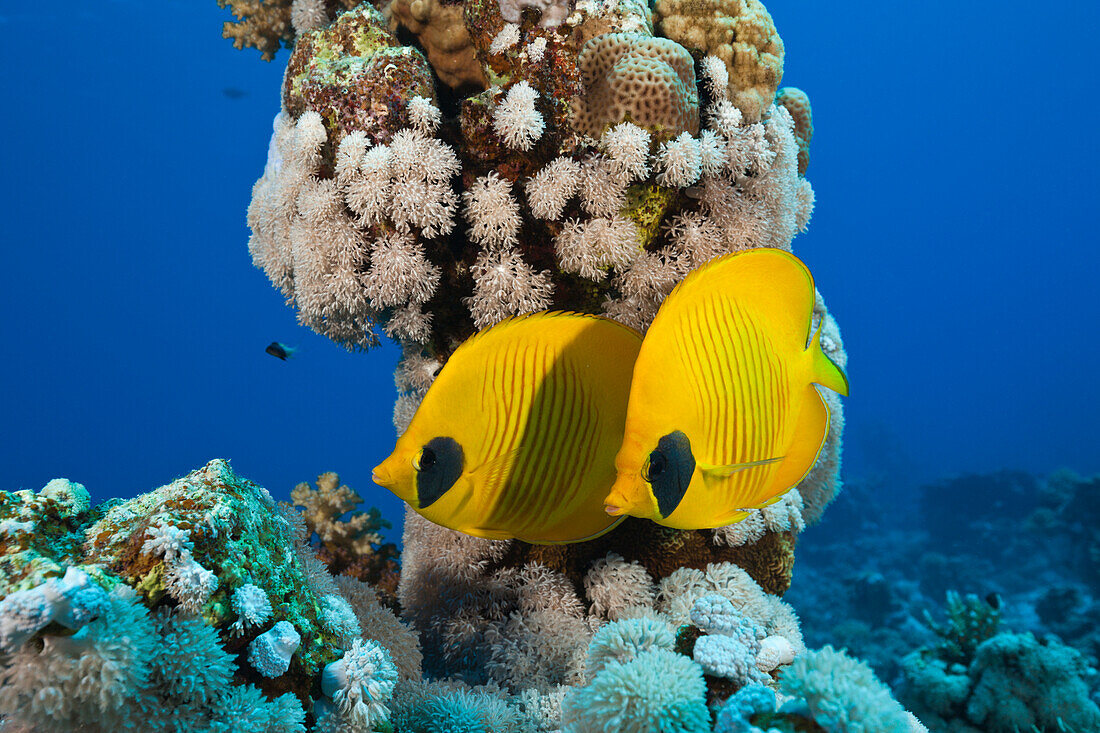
point(587, 153)
point(196, 606)
point(545, 155)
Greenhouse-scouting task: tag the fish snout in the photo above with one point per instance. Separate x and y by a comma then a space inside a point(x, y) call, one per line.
point(623, 498)
point(381, 475)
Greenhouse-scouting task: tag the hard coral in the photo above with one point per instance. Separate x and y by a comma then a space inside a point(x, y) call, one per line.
point(646, 80)
point(797, 102)
point(739, 32)
point(357, 76)
point(441, 30)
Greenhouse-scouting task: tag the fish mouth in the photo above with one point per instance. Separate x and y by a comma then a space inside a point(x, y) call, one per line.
point(380, 477)
point(629, 497)
point(617, 504)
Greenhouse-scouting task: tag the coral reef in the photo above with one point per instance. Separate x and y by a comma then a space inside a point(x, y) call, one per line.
point(880, 592)
point(436, 167)
point(980, 681)
point(196, 606)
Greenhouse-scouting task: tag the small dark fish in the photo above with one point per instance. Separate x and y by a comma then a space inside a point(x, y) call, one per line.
point(993, 600)
point(280, 351)
point(234, 93)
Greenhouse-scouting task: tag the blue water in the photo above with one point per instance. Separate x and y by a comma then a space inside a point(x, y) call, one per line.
point(954, 162)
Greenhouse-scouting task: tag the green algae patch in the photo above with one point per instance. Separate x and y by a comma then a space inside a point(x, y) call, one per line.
point(646, 205)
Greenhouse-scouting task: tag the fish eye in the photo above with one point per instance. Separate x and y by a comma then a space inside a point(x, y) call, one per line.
point(425, 460)
point(669, 471)
point(438, 466)
point(654, 466)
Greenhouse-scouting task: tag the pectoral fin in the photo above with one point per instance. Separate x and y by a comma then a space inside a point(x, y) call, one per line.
point(719, 471)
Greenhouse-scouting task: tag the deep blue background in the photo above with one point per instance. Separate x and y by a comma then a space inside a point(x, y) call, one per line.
point(954, 238)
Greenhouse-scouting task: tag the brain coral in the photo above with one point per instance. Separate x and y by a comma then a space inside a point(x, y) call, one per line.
point(742, 34)
point(650, 81)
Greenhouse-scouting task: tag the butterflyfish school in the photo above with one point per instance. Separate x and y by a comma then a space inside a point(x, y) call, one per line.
point(723, 413)
point(517, 435)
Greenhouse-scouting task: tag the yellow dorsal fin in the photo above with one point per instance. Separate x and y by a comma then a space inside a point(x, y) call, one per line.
point(772, 283)
point(539, 318)
point(824, 371)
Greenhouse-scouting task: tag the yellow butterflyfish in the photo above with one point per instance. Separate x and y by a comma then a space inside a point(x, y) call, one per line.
point(517, 435)
point(723, 413)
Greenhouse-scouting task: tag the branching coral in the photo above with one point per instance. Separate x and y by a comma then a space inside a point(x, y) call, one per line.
point(347, 539)
point(265, 24)
point(970, 621)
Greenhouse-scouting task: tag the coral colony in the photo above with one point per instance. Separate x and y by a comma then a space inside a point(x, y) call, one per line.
point(436, 167)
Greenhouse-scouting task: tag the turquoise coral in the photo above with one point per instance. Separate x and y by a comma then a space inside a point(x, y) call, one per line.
point(656, 690)
point(842, 694)
point(137, 614)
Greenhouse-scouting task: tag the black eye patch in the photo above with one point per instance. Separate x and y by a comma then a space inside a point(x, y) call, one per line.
point(669, 471)
point(437, 469)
